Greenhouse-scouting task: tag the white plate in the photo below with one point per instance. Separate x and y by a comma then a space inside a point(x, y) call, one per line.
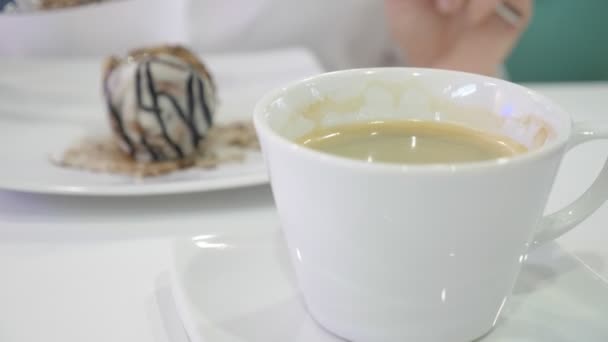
point(47, 104)
point(241, 288)
point(29, 168)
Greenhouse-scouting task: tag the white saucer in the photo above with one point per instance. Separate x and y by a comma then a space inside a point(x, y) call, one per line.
point(241, 288)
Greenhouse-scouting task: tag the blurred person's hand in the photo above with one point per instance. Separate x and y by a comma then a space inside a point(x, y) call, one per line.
point(463, 35)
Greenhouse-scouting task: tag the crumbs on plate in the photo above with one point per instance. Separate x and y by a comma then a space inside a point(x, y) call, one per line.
point(223, 144)
point(52, 4)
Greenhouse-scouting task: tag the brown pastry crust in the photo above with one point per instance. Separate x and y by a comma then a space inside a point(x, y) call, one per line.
point(174, 50)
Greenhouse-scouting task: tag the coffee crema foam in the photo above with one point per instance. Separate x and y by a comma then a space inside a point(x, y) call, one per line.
point(409, 99)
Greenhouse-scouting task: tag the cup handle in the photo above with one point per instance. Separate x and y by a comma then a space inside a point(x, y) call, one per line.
point(555, 225)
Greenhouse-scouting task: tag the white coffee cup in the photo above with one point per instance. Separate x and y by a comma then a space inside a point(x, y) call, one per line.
point(388, 252)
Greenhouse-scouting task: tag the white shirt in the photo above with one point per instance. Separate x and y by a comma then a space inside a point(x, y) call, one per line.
point(341, 33)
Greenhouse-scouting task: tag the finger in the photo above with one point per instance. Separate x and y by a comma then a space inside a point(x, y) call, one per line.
point(517, 19)
point(523, 8)
point(479, 10)
point(449, 6)
point(486, 45)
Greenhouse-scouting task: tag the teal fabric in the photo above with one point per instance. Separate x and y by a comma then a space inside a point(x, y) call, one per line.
point(567, 40)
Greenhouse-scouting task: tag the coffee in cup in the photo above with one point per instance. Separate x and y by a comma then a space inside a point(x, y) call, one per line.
point(410, 142)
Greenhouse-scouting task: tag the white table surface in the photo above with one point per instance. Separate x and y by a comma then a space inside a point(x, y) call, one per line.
point(95, 269)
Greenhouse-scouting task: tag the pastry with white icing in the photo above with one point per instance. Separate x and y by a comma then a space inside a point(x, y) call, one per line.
point(161, 102)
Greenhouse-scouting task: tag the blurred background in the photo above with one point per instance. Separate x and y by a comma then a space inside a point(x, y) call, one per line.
point(565, 41)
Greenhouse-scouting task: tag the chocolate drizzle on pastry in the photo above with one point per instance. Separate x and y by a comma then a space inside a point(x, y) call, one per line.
point(168, 84)
point(117, 122)
point(155, 109)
